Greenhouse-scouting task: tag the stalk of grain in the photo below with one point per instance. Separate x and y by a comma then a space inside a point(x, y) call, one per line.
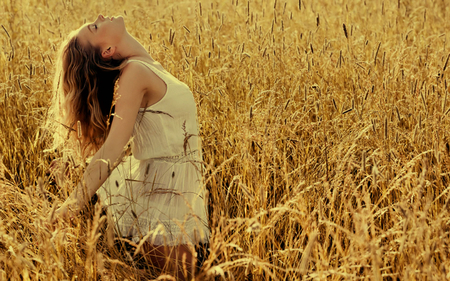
point(79, 131)
point(385, 128)
point(363, 164)
point(307, 253)
point(376, 54)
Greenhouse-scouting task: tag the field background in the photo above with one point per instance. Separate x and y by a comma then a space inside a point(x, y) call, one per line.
point(325, 131)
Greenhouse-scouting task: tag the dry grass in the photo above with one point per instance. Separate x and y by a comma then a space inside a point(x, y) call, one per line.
point(324, 123)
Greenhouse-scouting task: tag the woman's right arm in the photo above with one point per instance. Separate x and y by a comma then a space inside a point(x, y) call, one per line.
point(130, 94)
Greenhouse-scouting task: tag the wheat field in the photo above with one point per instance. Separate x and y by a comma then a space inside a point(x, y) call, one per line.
point(325, 130)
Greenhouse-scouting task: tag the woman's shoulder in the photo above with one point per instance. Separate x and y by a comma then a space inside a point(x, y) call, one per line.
point(132, 78)
point(152, 83)
point(137, 72)
point(134, 67)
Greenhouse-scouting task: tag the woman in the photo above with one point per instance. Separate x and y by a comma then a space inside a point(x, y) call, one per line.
point(156, 193)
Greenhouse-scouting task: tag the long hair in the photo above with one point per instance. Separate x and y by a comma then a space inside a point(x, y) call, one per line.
point(83, 96)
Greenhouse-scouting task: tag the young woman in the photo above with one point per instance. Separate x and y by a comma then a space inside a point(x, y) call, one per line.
point(112, 97)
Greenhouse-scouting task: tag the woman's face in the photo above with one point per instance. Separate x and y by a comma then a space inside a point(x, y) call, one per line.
point(104, 32)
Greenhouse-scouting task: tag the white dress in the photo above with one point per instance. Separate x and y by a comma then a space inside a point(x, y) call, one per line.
point(157, 192)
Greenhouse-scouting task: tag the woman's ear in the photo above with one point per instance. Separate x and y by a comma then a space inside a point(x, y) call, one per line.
point(108, 53)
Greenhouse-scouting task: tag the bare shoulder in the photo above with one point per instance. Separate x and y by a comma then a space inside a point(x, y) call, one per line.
point(132, 79)
point(131, 86)
point(133, 71)
point(153, 85)
point(139, 73)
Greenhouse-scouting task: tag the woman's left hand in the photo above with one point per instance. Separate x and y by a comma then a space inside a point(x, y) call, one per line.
point(59, 214)
point(62, 212)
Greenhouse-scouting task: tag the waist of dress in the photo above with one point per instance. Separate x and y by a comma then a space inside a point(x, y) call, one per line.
point(180, 158)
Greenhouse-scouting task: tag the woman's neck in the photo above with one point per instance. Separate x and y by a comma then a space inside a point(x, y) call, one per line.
point(129, 47)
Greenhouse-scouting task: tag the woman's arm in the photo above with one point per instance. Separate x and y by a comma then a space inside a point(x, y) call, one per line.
point(130, 93)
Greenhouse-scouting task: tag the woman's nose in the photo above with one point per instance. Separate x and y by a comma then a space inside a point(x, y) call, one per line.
point(100, 17)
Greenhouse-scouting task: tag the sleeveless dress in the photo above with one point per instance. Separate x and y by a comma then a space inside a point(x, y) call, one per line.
point(157, 193)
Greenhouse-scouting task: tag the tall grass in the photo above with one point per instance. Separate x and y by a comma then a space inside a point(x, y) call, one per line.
point(324, 127)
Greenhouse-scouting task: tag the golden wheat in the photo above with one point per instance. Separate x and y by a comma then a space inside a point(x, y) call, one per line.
point(324, 127)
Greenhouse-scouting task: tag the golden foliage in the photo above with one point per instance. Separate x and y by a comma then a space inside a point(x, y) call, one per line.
point(324, 126)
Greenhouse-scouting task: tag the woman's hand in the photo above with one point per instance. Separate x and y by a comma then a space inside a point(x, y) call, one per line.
point(68, 210)
point(56, 216)
point(62, 212)
point(58, 171)
point(57, 165)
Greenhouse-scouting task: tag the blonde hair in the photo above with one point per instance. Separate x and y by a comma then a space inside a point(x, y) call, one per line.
point(83, 95)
